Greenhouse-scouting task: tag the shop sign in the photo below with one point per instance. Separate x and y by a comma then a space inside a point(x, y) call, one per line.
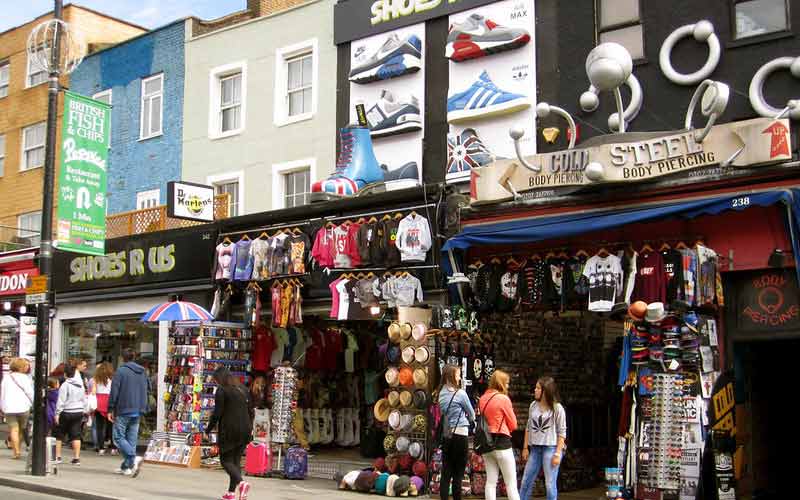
point(15, 282)
point(81, 194)
point(768, 301)
point(187, 200)
point(140, 259)
point(356, 19)
point(723, 403)
point(639, 157)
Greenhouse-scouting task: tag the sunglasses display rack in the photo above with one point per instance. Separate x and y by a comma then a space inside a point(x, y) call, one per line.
point(284, 401)
point(661, 436)
point(195, 350)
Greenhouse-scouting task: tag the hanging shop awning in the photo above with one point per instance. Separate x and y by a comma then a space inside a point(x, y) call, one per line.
point(540, 228)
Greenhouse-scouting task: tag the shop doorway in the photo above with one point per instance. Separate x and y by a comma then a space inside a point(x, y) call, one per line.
point(768, 371)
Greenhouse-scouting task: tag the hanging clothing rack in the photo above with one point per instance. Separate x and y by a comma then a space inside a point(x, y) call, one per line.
point(268, 228)
point(380, 269)
point(380, 212)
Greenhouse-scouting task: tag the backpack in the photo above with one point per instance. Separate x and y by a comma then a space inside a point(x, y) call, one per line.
point(484, 441)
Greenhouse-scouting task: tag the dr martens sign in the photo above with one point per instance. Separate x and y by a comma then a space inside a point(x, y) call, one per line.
point(141, 259)
point(636, 157)
point(354, 19)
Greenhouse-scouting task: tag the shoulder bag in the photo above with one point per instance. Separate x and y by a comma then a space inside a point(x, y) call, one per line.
point(484, 441)
point(443, 431)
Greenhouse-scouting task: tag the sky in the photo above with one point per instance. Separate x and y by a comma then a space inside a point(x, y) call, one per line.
point(147, 13)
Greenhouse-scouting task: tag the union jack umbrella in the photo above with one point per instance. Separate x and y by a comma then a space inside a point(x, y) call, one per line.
point(177, 311)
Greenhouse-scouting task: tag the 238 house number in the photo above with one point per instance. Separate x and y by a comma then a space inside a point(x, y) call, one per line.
point(741, 202)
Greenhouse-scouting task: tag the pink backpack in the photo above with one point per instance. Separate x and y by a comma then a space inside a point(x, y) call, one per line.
point(258, 459)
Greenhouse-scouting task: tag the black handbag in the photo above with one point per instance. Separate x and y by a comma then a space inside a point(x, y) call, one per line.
point(483, 441)
point(444, 433)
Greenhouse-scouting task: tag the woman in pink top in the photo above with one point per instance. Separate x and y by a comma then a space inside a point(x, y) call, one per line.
point(496, 407)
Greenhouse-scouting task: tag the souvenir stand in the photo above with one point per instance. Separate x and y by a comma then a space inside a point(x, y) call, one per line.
point(194, 351)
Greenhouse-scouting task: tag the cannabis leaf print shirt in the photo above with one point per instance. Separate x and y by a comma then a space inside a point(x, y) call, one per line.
point(544, 427)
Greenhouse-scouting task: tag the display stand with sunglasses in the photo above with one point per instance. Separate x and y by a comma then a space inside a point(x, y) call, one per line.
point(284, 401)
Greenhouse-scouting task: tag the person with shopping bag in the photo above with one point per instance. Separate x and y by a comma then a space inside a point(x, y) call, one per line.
point(16, 401)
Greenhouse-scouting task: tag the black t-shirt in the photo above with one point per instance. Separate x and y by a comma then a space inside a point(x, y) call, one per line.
point(673, 269)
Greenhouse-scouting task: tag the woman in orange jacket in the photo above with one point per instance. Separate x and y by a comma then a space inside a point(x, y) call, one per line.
point(496, 407)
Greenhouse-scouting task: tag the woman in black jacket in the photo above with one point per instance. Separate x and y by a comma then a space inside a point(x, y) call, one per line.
point(233, 414)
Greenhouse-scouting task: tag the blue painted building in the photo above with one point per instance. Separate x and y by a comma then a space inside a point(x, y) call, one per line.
point(143, 79)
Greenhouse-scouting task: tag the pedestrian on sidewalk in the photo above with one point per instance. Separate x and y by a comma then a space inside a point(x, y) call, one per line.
point(457, 409)
point(233, 413)
point(545, 435)
point(52, 402)
point(497, 409)
point(70, 409)
point(127, 402)
point(16, 401)
point(101, 388)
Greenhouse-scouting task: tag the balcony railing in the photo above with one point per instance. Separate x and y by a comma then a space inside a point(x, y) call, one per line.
point(148, 220)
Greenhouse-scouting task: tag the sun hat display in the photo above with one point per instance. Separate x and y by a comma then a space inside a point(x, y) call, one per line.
point(388, 443)
point(381, 410)
point(421, 377)
point(390, 485)
point(637, 310)
point(394, 332)
point(405, 331)
point(406, 376)
point(420, 424)
point(419, 331)
point(416, 450)
point(394, 398)
point(420, 399)
point(393, 354)
point(408, 354)
point(422, 355)
point(380, 483)
point(392, 376)
point(406, 399)
point(402, 444)
point(655, 312)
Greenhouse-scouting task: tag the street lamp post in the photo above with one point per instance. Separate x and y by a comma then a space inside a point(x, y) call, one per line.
point(45, 47)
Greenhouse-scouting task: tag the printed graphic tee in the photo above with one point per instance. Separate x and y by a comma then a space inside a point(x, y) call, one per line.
point(605, 281)
point(651, 282)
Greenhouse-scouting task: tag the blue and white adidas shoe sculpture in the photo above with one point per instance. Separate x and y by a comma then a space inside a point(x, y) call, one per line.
point(483, 99)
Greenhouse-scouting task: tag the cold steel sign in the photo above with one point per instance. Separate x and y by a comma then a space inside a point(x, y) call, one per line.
point(644, 156)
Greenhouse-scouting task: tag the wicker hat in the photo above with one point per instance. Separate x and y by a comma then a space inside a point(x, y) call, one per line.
point(408, 354)
point(422, 355)
point(419, 332)
point(394, 398)
point(405, 331)
point(420, 424)
point(406, 399)
point(388, 443)
point(392, 376)
point(402, 444)
point(416, 450)
point(394, 332)
point(406, 376)
point(394, 419)
point(420, 377)
point(381, 410)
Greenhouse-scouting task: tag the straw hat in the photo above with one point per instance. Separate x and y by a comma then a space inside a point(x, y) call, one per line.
point(392, 376)
point(406, 399)
point(394, 419)
point(405, 331)
point(422, 355)
point(388, 443)
point(394, 398)
point(406, 376)
point(394, 332)
point(420, 377)
point(402, 444)
point(419, 331)
point(416, 450)
point(381, 410)
point(420, 424)
point(408, 354)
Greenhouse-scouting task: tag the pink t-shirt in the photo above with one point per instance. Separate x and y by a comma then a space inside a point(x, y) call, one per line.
point(334, 299)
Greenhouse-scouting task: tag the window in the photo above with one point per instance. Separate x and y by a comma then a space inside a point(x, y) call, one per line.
point(296, 74)
point(33, 146)
point(291, 183)
point(232, 184)
point(758, 17)
point(105, 96)
point(228, 96)
point(2, 155)
point(620, 21)
point(5, 70)
point(36, 73)
point(29, 226)
point(152, 106)
point(148, 199)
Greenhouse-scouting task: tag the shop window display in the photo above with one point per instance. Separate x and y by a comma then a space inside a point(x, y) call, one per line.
point(97, 341)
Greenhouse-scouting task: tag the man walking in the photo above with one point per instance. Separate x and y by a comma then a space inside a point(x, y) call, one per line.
point(126, 405)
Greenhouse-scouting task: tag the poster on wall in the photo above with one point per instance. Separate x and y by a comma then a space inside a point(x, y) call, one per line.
point(492, 88)
point(82, 177)
point(27, 338)
point(387, 77)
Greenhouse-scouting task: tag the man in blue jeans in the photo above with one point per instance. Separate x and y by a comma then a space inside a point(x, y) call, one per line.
point(126, 405)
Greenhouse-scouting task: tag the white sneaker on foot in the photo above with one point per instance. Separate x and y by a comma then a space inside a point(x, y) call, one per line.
point(127, 472)
point(137, 466)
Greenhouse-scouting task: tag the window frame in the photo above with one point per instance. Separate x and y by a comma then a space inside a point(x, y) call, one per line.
point(227, 178)
point(299, 58)
point(5, 64)
point(149, 98)
point(109, 92)
point(3, 155)
point(618, 26)
point(215, 77)
point(279, 172)
point(28, 73)
point(20, 228)
point(746, 40)
point(283, 56)
point(23, 149)
point(148, 195)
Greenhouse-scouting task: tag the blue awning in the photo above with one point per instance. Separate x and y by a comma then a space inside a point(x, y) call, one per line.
point(541, 228)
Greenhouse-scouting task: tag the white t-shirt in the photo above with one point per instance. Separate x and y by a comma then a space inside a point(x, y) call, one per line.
point(103, 388)
point(344, 299)
point(605, 281)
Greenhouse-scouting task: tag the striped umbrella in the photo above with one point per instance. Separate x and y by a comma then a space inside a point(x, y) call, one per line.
point(177, 311)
